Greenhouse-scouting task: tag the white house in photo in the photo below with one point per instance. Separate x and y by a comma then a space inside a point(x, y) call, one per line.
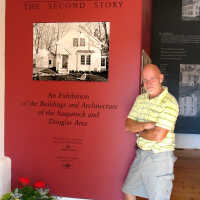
point(79, 50)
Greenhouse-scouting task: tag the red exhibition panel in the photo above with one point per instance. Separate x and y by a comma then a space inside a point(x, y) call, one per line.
point(72, 74)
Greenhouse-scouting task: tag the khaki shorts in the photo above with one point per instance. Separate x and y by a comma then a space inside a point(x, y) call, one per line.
point(151, 175)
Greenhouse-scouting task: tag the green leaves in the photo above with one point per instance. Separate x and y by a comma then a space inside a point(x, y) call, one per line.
point(28, 193)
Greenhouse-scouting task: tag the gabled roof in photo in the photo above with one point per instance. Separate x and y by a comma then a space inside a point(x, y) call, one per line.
point(79, 27)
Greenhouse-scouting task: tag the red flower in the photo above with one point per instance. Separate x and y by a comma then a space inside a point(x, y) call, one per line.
point(39, 184)
point(23, 181)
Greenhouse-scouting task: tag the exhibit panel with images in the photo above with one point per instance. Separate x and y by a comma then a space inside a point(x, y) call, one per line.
point(176, 47)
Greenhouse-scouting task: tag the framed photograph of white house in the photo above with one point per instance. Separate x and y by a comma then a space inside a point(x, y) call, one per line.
point(189, 93)
point(190, 10)
point(71, 51)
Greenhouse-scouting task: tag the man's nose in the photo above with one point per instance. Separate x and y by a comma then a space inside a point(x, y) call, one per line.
point(148, 81)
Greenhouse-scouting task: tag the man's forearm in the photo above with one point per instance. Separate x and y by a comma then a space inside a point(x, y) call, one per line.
point(135, 126)
point(155, 134)
point(148, 134)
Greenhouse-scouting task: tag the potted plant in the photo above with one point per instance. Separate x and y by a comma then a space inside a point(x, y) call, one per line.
point(37, 191)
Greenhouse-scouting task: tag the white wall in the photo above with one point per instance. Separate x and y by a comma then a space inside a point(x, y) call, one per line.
point(2, 73)
point(188, 141)
point(5, 162)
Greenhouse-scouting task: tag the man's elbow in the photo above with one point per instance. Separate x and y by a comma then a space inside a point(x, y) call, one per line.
point(160, 134)
point(127, 125)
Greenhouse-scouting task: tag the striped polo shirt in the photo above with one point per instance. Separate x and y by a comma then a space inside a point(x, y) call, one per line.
point(163, 110)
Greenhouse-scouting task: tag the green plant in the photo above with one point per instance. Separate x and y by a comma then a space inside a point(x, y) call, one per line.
point(38, 191)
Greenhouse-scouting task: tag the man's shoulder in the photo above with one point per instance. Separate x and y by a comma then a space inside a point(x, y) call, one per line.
point(169, 99)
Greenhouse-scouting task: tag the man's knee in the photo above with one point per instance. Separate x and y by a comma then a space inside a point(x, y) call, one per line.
point(130, 197)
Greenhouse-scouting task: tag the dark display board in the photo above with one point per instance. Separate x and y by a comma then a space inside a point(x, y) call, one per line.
point(175, 48)
point(72, 74)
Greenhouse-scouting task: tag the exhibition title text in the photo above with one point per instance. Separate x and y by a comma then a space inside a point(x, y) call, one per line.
point(55, 5)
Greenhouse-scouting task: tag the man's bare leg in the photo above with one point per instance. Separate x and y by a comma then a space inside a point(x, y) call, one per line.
point(130, 197)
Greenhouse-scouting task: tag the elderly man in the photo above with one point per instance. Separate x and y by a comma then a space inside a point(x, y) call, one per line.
point(152, 118)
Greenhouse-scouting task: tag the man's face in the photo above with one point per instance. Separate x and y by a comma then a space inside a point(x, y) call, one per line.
point(152, 81)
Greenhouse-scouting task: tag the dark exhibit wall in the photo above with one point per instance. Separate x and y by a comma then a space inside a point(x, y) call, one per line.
point(72, 74)
point(147, 26)
point(175, 47)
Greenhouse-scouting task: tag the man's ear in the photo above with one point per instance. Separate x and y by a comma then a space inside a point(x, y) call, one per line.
point(161, 78)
